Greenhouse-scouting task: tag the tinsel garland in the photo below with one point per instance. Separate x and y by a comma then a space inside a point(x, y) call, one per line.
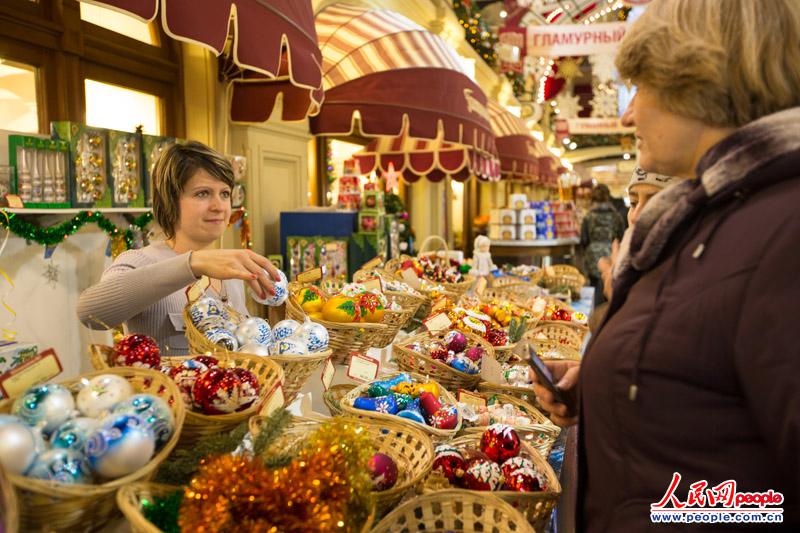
point(54, 235)
point(476, 30)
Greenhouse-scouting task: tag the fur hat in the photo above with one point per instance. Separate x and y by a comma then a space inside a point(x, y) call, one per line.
point(659, 180)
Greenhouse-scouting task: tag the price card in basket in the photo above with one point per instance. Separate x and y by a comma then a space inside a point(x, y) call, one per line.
point(410, 277)
point(14, 201)
point(373, 284)
point(438, 322)
point(471, 398)
point(328, 372)
point(275, 401)
point(362, 367)
point(37, 370)
point(196, 290)
point(375, 262)
point(310, 275)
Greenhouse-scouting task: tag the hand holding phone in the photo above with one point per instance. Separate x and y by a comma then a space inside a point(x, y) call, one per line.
point(563, 408)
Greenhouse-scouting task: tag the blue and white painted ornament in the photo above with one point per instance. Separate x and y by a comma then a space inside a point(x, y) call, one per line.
point(256, 349)
point(50, 405)
point(121, 445)
point(294, 345)
point(223, 337)
point(254, 330)
point(315, 336)
point(284, 329)
point(18, 446)
point(205, 308)
point(281, 288)
point(155, 413)
point(101, 393)
point(74, 433)
point(63, 465)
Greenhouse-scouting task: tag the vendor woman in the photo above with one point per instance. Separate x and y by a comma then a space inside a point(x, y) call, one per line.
point(145, 289)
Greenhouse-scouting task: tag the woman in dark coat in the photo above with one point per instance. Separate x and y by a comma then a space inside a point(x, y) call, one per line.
point(696, 368)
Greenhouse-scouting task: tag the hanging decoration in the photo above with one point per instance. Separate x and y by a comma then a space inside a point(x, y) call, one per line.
point(50, 273)
point(603, 68)
point(477, 30)
point(604, 102)
point(240, 219)
point(569, 68)
point(568, 105)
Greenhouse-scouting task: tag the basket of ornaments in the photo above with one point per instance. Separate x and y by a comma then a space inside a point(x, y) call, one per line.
point(353, 317)
point(402, 455)
point(219, 391)
point(451, 357)
point(499, 461)
point(514, 380)
point(409, 399)
point(561, 324)
point(69, 446)
point(530, 424)
point(450, 274)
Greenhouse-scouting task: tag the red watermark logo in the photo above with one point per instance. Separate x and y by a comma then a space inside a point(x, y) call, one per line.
point(722, 503)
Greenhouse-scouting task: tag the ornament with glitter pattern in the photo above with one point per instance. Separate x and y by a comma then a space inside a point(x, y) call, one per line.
point(137, 350)
point(500, 442)
point(482, 474)
point(121, 445)
point(52, 404)
point(62, 465)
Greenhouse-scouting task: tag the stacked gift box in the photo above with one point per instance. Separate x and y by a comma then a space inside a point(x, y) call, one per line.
point(527, 221)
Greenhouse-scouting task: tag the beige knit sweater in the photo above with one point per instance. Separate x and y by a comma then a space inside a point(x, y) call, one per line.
point(145, 290)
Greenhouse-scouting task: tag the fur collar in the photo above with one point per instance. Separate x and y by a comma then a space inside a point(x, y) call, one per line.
point(721, 170)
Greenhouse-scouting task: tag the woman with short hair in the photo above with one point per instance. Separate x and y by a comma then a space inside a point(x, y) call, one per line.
point(696, 368)
point(145, 289)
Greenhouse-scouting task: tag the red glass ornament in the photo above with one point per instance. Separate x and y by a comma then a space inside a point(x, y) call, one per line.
point(523, 480)
point(218, 391)
point(429, 403)
point(137, 350)
point(185, 378)
point(445, 418)
point(248, 388)
point(500, 442)
point(450, 462)
point(482, 474)
point(207, 360)
point(475, 353)
point(515, 463)
point(382, 471)
point(497, 337)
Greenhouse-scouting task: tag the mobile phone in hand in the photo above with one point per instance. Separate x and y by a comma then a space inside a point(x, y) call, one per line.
point(545, 378)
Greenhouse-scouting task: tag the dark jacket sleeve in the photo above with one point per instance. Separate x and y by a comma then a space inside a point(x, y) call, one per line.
point(767, 349)
point(585, 229)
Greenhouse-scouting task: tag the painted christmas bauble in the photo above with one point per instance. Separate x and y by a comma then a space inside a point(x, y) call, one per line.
point(382, 471)
point(475, 353)
point(463, 364)
point(74, 433)
point(185, 375)
point(481, 474)
point(207, 360)
point(353, 290)
point(445, 418)
point(219, 391)
point(121, 445)
point(137, 350)
point(409, 410)
point(63, 465)
point(285, 328)
point(255, 349)
point(223, 337)
point(341, 308)
point(497, 337)
point(416, 347)
point(18, 447)
point(153, 411)
point(291, 346)
point(51, 404)
point(455, 341)
point(249, 388)
point(515, 463)
point(310, 299)
point(500, 442)
point(102, 393)
point(281, 288)
point(429, 404)
point(207, 307)
point(450, 462)
point(372, 309)
point(254, 330)
point(403, 377)
point(523, 480)
point(382, 404)
point(315, 336)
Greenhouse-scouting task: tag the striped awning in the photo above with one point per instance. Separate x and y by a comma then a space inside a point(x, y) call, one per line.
point(273, 52)
point(386, 76)
point(518, 150)
point(417, 158)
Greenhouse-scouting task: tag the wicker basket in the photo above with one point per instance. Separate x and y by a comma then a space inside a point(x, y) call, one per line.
point(504, 354)
point(448, 376)
point(334, 395)
point(535, 506)
point(458, 289)
point(525, 394)
point(410, 448)
point(297, 369)
point(564, 275)
point(45, 505)
point(9, 509)
point(549, 350)
point(560, 332)
point(345, 338)
point(541, 434)
point(347, 401)
point(459, 511)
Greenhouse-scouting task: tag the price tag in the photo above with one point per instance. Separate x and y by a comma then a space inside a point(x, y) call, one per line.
point(310, 275)
point(362, 367)
point(480, 286)
point(438, 322)
point(410, 277)
point(37, 370)
point(470, 398)
point(375, 262)
point(328, 371)
point(196, 290)
point(440, 303)
point(275, 401)
point(14, 201)
point(491, 370)
point(373, 284)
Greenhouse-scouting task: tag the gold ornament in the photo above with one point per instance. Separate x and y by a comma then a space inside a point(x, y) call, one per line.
point(569, 68)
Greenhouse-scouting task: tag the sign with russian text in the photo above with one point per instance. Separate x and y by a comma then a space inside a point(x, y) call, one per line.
point(596, 126)
point(574, 39)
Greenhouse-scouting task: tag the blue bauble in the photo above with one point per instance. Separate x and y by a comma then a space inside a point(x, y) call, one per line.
point(49, 404)
point(284, 329)
point(62, 465)
point(155, 413)
point(73, 434)
point(120, 446)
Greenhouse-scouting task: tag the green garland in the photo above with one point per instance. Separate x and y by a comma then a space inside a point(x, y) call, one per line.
point(54, 235)
point(476, 30)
